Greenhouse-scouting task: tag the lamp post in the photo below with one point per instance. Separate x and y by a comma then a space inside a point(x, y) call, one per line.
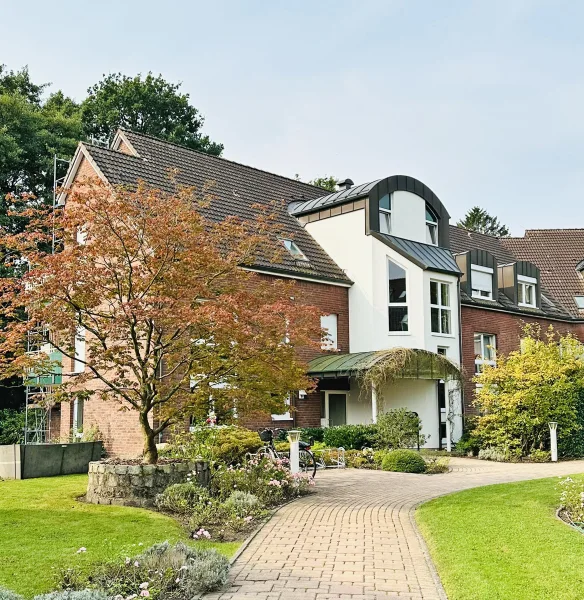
point(554, 440)
point(294, 439)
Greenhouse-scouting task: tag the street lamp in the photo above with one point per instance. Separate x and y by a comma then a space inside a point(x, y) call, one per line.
point(294, 439)
point(554, 440)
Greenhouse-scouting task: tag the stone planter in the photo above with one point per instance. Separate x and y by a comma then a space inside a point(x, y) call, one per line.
point(138, 485)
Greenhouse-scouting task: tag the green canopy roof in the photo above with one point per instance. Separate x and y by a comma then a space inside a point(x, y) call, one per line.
point(420, 364)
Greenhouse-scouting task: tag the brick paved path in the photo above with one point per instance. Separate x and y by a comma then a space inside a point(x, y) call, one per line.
point(356, 538)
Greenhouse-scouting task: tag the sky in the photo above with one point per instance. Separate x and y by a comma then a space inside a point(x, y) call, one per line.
point(480, 100)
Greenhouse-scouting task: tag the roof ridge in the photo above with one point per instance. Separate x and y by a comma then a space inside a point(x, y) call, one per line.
point(492, 237)
point(221, 158)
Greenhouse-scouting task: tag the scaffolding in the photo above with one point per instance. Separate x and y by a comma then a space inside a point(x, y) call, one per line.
point(40, 388)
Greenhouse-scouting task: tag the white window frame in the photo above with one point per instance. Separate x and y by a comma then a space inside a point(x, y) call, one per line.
point(79, 363)
point(431, 228)
point(397, 304)
point(479, 362)
point(386, 213)
point(477, 289)
point(293, 249)
point(524, 282)
point(330, 323)
point(285, 416)
point(441, 307)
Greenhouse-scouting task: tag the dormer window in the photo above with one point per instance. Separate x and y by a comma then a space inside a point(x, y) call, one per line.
point(431, 227)
point(385, 214)
point(294, 250)
point(482, 282)
point(526, 291)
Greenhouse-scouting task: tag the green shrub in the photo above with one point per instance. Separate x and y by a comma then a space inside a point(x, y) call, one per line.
point(398, 428)
point(492, 454)
point(181, 498)
point(404, 461)
point(539, 456)
point(165, 571)
point(11, 426)
point(243, 504)
point(8, 595)
point(227, 444)
point(360, 459)
point(315, 433)
point(74, 595)
point(350, 437)
point(436, 464)
point(571, 443)
point(270, 481)
point(467, 445)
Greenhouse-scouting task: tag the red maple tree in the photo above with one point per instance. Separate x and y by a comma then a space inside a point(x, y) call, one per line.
point(172, 322)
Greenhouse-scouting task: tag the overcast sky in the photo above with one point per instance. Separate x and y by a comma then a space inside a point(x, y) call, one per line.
point(482, 101)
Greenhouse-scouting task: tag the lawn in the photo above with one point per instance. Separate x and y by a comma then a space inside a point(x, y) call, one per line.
point(503, 542)
point(42, 526)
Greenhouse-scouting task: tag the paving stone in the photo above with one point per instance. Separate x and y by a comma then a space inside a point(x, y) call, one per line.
point(356, 538)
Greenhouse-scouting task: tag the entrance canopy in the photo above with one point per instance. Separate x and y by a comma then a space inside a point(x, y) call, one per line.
point(398, 363)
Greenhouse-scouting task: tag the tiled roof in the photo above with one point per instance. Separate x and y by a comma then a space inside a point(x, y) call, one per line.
point(234, 187)
point(462, 240)
point(557, 253)
point(427, 256)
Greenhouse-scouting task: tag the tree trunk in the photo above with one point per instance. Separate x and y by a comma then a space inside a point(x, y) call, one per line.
point(150, 450)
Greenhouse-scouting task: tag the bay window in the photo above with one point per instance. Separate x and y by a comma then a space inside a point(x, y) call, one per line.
point(440, 310)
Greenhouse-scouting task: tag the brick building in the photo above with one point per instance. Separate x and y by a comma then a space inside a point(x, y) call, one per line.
point(509, 282)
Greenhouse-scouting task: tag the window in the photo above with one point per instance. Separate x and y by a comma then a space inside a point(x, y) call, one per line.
point(482, 282)
point(485, 350)
point(294, 250)
point(398, 308)
point(579, 300)
point(78, 417)
point(431, 227)
point(79, 365)
point(442, 350)
point(385, 214)
point(284, 417)
point(329, 323)
point(526, 291)
point(440, 307)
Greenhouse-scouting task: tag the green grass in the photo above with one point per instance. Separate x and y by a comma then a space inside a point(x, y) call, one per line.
point(503, 542)
point(42, 526)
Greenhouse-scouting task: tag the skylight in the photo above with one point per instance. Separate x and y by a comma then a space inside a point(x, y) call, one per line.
point(294, 250)
point(579, 301)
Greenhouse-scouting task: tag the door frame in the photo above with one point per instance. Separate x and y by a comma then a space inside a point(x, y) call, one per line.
point(326, 421)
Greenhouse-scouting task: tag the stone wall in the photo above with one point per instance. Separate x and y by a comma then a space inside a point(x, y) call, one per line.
point(137, 485)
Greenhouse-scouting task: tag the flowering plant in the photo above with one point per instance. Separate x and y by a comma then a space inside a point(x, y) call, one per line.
point(572, 499)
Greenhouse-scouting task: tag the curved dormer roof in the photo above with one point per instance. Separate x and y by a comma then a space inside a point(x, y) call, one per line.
point(376, 188)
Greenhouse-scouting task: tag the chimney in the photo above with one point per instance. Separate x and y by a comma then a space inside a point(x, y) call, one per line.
point(345, 185)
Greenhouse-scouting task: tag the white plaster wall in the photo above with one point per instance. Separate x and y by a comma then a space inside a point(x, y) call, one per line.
point(417, 395)
point(408, 218)
point(364, 259)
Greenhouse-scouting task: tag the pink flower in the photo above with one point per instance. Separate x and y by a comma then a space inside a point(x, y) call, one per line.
point(144, 585)
point(248, 518)
point(145, 593)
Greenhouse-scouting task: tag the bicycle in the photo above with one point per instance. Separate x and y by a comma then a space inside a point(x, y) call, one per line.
point(307, 461)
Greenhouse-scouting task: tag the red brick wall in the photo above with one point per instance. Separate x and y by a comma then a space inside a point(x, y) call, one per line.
point(507, 328)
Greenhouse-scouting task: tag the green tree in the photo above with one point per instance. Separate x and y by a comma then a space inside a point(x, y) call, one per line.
point(328, 182)
point(479, 220)
point(149, 105)
point(527, 389)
